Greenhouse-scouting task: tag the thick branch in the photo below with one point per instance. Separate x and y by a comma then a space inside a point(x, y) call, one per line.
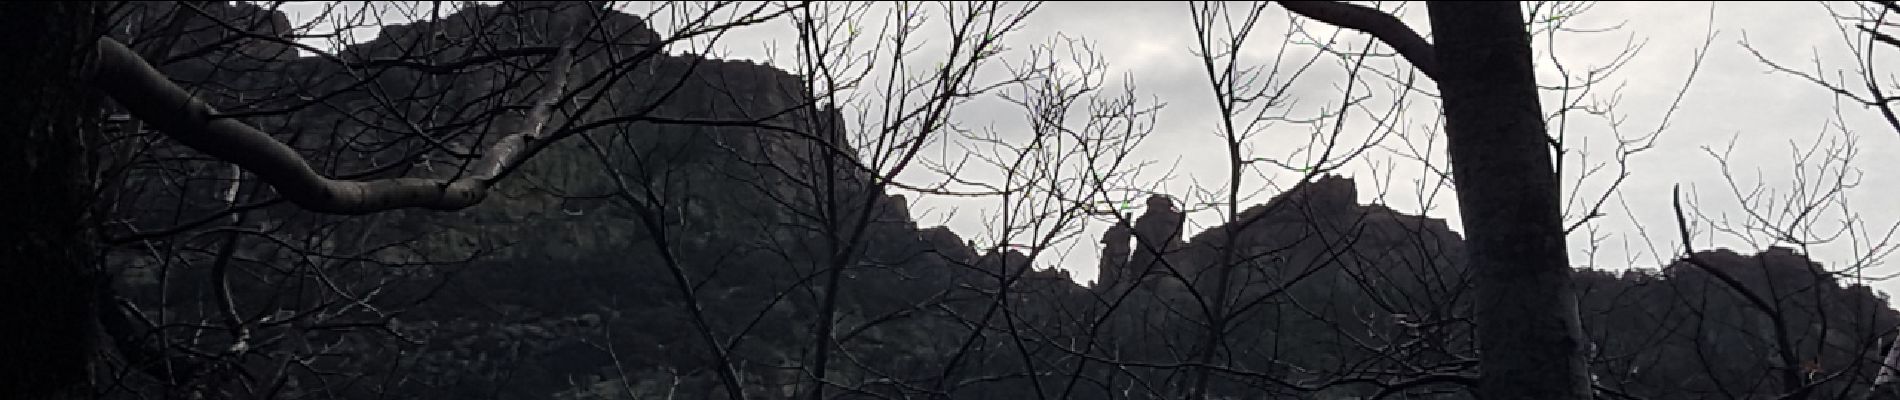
point(150, 96)
point(1379, 24)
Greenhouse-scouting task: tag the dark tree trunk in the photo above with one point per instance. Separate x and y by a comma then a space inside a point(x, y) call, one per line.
point(1530, 342)
point(48, 333)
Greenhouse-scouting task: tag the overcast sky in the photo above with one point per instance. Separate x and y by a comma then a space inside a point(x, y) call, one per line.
point(1734, 98)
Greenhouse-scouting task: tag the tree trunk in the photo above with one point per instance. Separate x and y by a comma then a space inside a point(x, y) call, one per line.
point(48, 329)
point(1530, 342)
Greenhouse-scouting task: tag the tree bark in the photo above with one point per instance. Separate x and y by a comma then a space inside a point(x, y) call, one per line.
point(48, 284)
point(1530, 342)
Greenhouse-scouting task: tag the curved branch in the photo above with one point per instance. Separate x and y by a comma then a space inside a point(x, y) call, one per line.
point(149, 95)
point(1379, 24)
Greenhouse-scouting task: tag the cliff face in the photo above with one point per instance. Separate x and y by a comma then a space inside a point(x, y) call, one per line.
point(1308, 278)
point(1315, 229)
point(1313, 279)
point(638, 234)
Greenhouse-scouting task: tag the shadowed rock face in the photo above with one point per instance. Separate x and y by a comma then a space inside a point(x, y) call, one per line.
point(1301, 227)
point(150, 21)
point(1115, 253)
point(1326, 197)
point(1157, 237)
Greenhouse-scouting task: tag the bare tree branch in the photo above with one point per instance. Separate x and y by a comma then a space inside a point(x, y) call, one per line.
point(1379, 24)
point(150, 96)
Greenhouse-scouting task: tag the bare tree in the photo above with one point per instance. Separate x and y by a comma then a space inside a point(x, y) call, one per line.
point(55, 352)
point(1531, 344)
point(1817, 323)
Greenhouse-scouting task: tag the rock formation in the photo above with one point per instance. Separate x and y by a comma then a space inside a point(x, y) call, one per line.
point(1115, 254)
point(1157, 239)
